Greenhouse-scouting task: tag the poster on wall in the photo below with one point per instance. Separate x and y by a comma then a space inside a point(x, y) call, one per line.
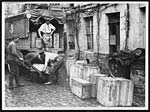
point(112, 39)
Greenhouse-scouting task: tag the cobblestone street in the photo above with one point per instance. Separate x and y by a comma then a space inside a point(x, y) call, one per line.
point(35, 95)
point(59, 95)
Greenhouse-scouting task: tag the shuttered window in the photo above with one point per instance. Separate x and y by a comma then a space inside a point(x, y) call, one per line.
point(89, 32)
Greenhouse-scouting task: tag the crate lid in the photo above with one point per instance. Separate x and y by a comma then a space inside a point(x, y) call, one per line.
point(84, 82)
point(113, 79)
point(100, 75)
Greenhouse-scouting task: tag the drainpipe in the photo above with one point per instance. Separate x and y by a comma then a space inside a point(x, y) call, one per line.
point(98, 21)
point(127, 27)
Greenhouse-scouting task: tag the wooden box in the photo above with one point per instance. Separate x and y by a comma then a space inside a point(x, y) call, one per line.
point(33, 39)
point(81, 88)
point(94, 81)
point(56, 40)
point(79, 66)
point(69, 63)
point(76, 71)
point(88, 70)
point(39, 43)
point(114, 91)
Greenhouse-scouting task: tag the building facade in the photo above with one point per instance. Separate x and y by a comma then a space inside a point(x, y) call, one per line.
point(106, 28)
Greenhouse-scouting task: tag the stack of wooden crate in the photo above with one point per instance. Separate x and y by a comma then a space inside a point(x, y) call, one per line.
point(76, 70)
point(80, 73)
point(86, 81)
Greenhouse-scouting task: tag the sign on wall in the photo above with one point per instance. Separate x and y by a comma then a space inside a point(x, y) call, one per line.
point(112, 39)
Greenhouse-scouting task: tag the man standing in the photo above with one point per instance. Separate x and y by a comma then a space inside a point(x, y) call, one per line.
point(13, 58)
point(45, 32)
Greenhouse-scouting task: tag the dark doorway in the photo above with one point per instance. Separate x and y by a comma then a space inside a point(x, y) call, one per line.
point(114, 32)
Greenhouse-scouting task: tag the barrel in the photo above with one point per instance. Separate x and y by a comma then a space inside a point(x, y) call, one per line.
point(115, 91)
point(88, 70)
point(94, 81)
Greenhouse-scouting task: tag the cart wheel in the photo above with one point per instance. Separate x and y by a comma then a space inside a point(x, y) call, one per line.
point(115, 68)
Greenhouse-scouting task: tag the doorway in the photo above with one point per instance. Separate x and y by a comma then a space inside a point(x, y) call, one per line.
point(114, 32)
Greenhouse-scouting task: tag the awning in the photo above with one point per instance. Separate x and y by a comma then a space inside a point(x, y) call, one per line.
point(36, 14)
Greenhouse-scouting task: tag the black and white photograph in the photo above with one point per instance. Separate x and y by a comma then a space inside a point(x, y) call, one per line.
point(75, 55)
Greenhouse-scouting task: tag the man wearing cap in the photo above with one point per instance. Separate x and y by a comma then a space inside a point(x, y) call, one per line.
point(13, 58)
point(47, 29)
point(56, 61)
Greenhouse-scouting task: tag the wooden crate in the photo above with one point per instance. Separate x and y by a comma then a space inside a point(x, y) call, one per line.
point(81, 88)
point(76, 70)
point(79, 66)
point(33, 39)
point(69, 63)
point(56, 40)
point(39, 43)
point(88, 70)
point(24, 43)
point(72, 74)
point(114, 91)
point(94, 81)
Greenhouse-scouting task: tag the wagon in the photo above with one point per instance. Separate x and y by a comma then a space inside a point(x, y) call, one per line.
point(34, 72)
